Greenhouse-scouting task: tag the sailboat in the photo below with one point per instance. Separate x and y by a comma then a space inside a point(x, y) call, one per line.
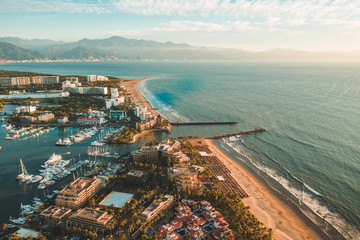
point(23, 176)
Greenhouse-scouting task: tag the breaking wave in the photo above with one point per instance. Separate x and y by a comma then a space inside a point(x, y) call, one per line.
point(304, 193)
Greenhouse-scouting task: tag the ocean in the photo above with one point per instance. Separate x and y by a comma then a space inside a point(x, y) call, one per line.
point(311, 112)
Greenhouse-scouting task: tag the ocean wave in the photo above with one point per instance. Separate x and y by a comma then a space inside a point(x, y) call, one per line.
point(307, 195)
point(164, 109)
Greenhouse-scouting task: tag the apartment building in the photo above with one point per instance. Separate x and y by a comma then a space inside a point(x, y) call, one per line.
point(93, 78)
point(45, 79)
point(13, 81)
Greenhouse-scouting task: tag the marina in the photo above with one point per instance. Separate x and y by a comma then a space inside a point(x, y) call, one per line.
point(45, 167)
point(24, 133)
point(79, 137)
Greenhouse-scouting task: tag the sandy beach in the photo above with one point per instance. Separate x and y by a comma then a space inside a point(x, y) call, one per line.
point(266, 206)
point(136, 96)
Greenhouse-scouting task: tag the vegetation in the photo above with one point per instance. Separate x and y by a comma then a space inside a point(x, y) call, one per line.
point(191, 151)
point(124, 137)
point(72, 105)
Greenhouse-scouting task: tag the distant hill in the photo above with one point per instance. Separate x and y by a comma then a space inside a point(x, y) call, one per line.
point(81, 53)
point(134, 49)
point(33, 44)
point(9, 51)
point(119, 47)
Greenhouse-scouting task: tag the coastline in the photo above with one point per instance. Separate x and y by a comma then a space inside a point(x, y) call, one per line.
point(131, 88)
point(274, 212)
point(265, 205)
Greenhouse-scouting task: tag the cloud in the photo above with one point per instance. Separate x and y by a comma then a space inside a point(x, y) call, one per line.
point(287, 11)
point(67, 6)
point(193, 27)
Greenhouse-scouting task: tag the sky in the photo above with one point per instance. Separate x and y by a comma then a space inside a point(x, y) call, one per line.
point(255, 25)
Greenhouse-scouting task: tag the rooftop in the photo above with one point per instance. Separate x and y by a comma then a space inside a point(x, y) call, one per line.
point(135, 173)
point(25, 233)
point(55, 211)
point(75, 187)
point(116, 199)
point(157, 203)
point(92, 215)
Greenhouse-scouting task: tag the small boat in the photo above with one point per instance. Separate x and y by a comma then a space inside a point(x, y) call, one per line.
point(97, 143)
point(8, 137)
point(19, 221)
point(65, 142)
point(11, 225)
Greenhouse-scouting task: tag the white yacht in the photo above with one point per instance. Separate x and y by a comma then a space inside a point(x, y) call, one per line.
point(97, 143)
point(52, 161)
point(65, 142)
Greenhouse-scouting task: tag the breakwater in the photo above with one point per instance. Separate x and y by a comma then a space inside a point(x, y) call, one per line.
point(202, 123)
point(257, 130)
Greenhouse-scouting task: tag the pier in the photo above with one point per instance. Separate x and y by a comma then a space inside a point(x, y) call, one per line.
point(202, 123)
point(257, 130)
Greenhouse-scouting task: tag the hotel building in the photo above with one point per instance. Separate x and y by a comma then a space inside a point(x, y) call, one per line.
point(91, 219)
point(55, 214)
point(46, 117)
point(156, 207)
point(184, 177)
point(78, 192)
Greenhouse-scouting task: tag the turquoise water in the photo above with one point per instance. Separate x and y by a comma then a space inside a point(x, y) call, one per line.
point(311, 111)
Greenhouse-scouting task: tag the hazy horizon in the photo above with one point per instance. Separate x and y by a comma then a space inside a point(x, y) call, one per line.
point(201, 46)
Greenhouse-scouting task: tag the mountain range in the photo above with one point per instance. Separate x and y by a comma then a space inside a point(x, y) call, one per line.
point(13, 48)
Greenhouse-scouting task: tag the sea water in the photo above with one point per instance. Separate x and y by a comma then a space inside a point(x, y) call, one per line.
point(311, 112)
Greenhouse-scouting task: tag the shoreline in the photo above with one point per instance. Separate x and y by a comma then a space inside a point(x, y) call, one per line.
point(132, 89)
point(265, 205)
point(269, 208)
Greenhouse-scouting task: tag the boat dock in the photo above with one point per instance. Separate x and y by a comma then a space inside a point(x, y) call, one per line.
point(257, 130)
point(202, 123)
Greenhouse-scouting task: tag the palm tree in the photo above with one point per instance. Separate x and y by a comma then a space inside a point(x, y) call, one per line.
point(5, 227)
